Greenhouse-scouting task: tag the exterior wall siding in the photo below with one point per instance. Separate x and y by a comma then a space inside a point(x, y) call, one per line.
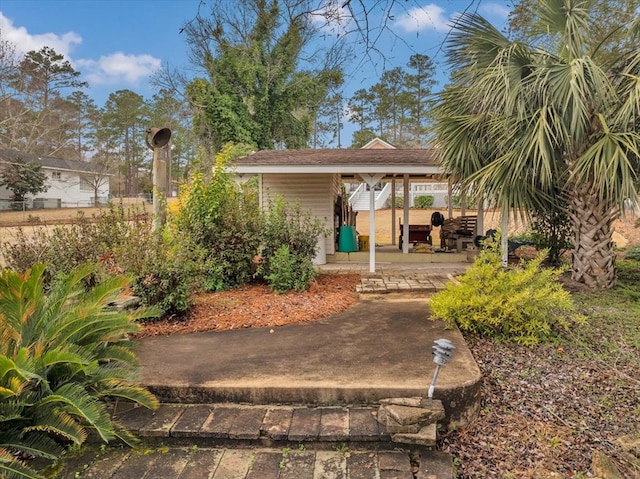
point(315, 192)
point(65, 188)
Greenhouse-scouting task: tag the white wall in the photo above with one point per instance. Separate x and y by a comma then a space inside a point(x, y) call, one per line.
point(69, 189)
point(315, 192)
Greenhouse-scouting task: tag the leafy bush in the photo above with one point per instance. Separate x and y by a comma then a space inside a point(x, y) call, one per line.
point(399, 201)
point(524, 303)
point(122, 241)
point(289, 226)
point(424, 201)
point(633, 253)
point(288, 272)
point(62, 355)
point(223, 219)
point(456, 201)
point(553, 231)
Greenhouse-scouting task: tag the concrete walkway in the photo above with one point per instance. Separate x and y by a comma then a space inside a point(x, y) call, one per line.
point(298, 402)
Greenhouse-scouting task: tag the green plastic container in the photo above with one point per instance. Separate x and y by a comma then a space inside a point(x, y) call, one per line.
point(347, 241)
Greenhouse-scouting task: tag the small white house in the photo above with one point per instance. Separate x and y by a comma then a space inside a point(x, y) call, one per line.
point(71, 183)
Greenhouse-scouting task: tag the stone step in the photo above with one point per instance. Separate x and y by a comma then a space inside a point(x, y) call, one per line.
point(267, 425)
point(256, 463)
point(230, 424)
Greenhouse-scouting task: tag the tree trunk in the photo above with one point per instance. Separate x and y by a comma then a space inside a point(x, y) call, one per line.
point(593, 258)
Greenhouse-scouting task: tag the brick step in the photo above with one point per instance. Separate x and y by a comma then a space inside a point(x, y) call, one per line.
point(256, 463)
point(268, 425)
point(275, 442)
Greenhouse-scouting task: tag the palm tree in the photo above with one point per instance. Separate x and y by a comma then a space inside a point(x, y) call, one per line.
point(546, 125)
point(62, 355)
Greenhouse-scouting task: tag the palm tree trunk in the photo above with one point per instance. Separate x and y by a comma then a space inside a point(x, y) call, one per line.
point(593, 258)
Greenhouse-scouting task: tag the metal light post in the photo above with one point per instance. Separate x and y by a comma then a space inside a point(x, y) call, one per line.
point(442, 354)
point(157, 139)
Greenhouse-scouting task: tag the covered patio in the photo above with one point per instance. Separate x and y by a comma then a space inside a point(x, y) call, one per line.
point(314, 179)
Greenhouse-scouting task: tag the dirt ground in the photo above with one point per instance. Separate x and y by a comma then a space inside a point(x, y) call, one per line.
point(625, 231)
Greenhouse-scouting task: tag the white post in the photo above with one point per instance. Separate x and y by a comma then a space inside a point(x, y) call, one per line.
point(372, 229)
point(405, 216)
point(393, 211)
point(372, 180)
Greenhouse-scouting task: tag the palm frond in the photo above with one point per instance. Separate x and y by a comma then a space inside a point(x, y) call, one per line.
point(608, 166)
point(56, 422)
point(132, 393)
point(34, 444)
point(76, 401)
point(12, 468)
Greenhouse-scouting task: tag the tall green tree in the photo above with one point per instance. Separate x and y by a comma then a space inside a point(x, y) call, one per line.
point(124, 120)
point(33, 89)
point(528, 126)
point(256, 91)
point(419, 85)
point(398, 106)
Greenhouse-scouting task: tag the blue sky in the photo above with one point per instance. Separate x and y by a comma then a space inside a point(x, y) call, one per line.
point(117, 44)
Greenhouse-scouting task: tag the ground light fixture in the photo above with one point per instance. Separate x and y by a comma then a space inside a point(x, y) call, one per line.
point(442, 354)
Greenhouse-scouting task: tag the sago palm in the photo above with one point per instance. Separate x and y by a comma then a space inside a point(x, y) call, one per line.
point(63, 353)
point(546, 125)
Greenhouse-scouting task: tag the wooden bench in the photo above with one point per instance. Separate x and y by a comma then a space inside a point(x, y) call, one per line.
point(461, 230)
point(417, 234)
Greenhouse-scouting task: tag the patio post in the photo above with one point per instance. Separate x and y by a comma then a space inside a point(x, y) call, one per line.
point(393, 210)
point(372, 180)
point(405, 212)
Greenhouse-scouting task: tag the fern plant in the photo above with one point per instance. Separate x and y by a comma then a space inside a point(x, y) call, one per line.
point(62, 356)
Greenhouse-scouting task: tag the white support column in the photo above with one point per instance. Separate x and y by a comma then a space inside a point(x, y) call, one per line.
point(405, 215)
point(393, 211)
point(372, 180)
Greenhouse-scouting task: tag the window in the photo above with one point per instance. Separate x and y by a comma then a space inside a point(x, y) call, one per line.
point(56, 175)
point(86, 183)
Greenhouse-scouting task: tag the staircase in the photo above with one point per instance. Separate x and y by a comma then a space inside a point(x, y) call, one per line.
point(360, 199)
point(277, 442)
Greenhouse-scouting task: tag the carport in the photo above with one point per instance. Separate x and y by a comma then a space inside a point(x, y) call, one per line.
point(314, 179)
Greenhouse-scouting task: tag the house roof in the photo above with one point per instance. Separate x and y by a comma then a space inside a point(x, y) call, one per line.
point(50, 162)
point(390, 162)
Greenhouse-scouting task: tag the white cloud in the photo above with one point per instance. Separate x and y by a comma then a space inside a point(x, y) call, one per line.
point(108, 69)
point(429, 17)
point(494, 12)
point(118, 68)
point(25, 41)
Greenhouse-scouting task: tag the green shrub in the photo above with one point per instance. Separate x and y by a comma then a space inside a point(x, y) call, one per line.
point(122, 241)
point(525, 303)
point(63, 355)
point(289, 226)
point(224, 220)
point(399, 201)
point(553, 231)
point(633, 253)
point(423, 201)
point(456, 201)
point(288, 272)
